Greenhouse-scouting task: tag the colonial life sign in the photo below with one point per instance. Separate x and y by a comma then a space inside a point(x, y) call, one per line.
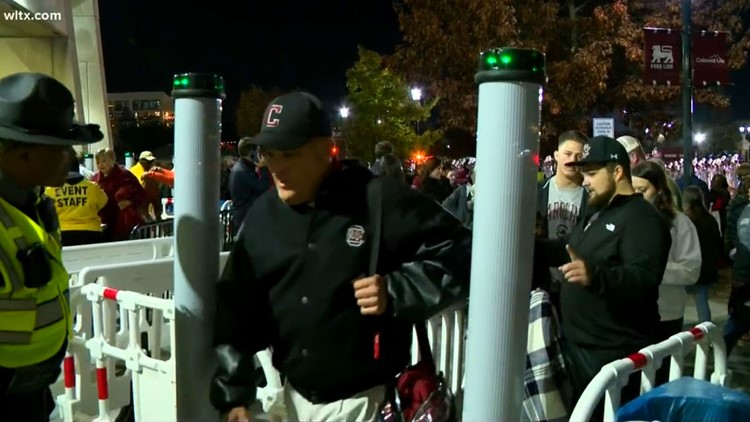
point(663, 56)
point(710, 64)
point(662, 52)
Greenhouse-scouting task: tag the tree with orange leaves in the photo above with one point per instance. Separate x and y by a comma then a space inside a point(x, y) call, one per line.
point(594, 52)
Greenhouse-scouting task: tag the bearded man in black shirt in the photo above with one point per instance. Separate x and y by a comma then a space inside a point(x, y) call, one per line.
point(613, 263)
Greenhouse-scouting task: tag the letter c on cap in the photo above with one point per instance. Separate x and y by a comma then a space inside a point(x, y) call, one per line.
point(274, 110)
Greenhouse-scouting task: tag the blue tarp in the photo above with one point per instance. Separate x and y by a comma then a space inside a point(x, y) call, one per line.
point(687, 400)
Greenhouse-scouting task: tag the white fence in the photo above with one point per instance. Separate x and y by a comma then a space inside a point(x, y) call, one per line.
point(148, 373)
point(609, 382)
point(120, 311)
point(77, 258)
point(141, 266)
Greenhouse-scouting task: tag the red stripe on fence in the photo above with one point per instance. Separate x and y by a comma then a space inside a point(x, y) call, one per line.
point(697, 333)
point(101, 383)
point(110, 294)
point(639, 360)
point(69, 372)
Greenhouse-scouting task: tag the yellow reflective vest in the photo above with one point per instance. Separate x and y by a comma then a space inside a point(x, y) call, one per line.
point(34, 323)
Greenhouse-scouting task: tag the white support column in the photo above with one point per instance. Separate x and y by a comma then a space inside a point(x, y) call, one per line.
point(90, 63)
point(67, 46)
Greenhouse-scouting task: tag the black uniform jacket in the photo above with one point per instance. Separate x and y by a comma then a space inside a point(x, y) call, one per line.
point(288, 285)
point(625, 247)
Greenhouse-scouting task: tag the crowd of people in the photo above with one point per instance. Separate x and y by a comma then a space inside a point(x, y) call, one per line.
point(106, 205)
point(686, 232)
point(672, 248)
point(340, 261)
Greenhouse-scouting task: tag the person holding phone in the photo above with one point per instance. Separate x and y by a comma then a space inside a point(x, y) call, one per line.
point(612, 265)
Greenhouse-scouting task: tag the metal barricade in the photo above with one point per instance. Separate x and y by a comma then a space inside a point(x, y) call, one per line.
point(228, 230)
point(164, 228)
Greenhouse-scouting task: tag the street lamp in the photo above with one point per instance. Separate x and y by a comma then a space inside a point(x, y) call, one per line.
point(700, 137)
point(416, 94)
point(344, 113)
point(744, 130)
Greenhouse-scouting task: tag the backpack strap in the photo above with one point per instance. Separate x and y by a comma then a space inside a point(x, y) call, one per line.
point(375, 209)
point(423, 344)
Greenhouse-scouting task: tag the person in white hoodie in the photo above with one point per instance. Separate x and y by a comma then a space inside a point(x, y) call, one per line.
point(684, 265)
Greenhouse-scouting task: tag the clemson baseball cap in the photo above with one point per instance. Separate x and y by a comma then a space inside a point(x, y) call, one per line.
point(603, 150)
point(291, 120)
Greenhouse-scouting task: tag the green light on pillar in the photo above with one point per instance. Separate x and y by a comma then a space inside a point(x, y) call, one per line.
point(198, 83)
point(511, 59)
point(495, 60)
point(181, 82)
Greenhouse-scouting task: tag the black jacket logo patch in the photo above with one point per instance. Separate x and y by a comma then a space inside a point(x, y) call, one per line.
point(355, 236)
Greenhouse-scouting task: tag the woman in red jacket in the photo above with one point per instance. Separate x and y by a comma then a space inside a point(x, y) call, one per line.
point(125, 195)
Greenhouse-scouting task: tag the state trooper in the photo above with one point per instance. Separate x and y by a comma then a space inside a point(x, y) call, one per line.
point(36, 134)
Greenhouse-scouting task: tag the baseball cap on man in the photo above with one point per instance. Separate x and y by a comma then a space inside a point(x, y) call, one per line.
point(603, 150)
point(147, 155)
point(629, 142)
point(291, 120)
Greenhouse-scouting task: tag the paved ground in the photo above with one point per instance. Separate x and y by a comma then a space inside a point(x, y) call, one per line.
point(739, 361)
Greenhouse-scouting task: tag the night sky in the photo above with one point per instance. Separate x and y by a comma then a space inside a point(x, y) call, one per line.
point(303, 44)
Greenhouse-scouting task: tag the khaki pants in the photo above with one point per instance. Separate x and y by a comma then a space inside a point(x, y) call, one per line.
point(362, 407)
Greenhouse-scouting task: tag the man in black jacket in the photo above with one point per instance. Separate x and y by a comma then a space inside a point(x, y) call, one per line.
point(299, 281)
point(738, 245)
point(613, 264)
point(245, 183)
